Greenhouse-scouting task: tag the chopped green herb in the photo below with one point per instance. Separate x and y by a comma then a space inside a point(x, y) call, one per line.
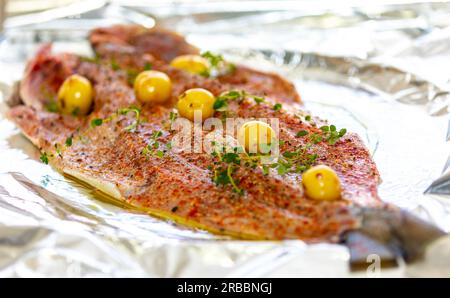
point(316, 138)
point(206, 73)
point(131, 75)
point(52, 107)
point(325, 128)
point(224, 177)
point(282, 169)
point(258, 99)
point(231, 67)
point(172, 116)
point(214, 59)
point(115, 65)
point(308, 118)
point(265, 169)
point(297, 161)
point(156, 134)
point(277, 107)
point(331, 135)
point(137, 113)
point(76, 111)
point(152, 148)
point(221, 103)
point(221, 178)
point(148, 66)
point(169, 124)
point(231, 158)
point(69, 141)
point(231, 179)
point(58, 150)
point(217, 64)
point(95, 59)
point(302, 133)
point(96, 122)
point(44, 158)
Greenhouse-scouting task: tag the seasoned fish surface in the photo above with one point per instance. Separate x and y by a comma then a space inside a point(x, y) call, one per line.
point(163, 46)
point(179, 185)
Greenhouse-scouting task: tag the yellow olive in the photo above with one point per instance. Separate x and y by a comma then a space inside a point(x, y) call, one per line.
point(191, 63)
point(196, 100)
point(321, 183)
point(256, 136)
point(152, 86)
point(75, 95)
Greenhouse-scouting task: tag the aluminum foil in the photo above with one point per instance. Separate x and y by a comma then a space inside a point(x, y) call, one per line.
point(51, 225)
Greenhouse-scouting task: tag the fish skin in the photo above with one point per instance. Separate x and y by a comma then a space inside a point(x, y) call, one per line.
point(43, 76)
point(273, 207)
point(163, 44)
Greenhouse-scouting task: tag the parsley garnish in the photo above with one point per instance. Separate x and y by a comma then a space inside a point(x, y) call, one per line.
point(172, 116)
point(52, 107)
point(231, 67)
point(156, 134)
point(265, 169)
point(282, 169)
point(69, 141)
point(331, 134)
point(296, 161)
point(258, 99)
point(167, 124)
point(96, 122)
point(214, 59)
point(76, 111)
point(225, 166)
point(316, 138)
point(224, 176)
point(302, 133)
point(95, 59)
point(124, 111)
point(44, 158)
point(221, 103)
point(114, 65)
point(137, 112)
point(218, 65)
point(153, 147)
point(147, 66)
point(131, 75)
point(277, 107)
point(58, 150)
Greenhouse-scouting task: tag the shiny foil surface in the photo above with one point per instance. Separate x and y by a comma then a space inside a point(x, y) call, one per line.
point(380, 71)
